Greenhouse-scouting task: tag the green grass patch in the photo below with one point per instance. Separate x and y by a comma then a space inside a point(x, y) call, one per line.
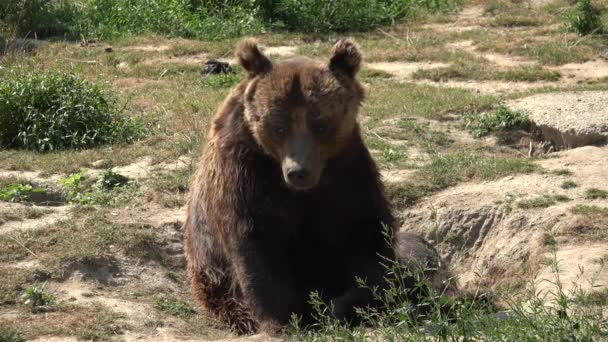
point(543, 201)
point(447, 170)
point(402, 195)
point(46, 111)
point(590, 210)
point(393, 99)
point(523, 316)
point(561, 172)
point(218, 81)
point(470, 70)
point(174, 306)
point(515, 20)
point(11, 335)
point(500, 119)
point(595, 193)
point(568, 185)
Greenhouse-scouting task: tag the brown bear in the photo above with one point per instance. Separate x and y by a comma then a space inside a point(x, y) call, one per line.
point(287, 199)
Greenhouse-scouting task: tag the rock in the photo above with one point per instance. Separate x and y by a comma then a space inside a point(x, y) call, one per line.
point(570, 119)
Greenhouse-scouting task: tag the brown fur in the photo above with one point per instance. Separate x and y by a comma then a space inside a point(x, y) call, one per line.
point(257, 244)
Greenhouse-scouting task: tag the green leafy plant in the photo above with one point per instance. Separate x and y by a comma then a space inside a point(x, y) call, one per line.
point(501, 119)
point(17, 192)
point(54, 111)
point(584, 19)
point(35, 296)
point(76, 192)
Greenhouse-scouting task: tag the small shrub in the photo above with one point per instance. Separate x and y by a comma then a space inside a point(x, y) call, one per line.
point(35, 297)
point(584, 19)
point(173, 306)
point(568, 185)
point(54, 111)
point(594, 193)
point(500, 119)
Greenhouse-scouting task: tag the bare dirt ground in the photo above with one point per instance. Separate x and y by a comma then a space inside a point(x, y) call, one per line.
point(116, 270)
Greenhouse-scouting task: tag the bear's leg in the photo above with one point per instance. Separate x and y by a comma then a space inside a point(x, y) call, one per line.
point(223, 301)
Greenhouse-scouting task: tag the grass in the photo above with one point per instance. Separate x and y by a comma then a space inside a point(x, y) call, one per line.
point(471, 70)
point(543, 201)
point(174, 306)
point(590, 211)
point(447, 170)
point(561, 172)
point(595, 193)
point(433, 316)
point(21, 213)
point(393, 99)
point(11, 335)
point(568, 185)
point(90, 323)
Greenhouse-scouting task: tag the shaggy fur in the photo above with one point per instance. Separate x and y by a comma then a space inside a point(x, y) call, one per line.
point(256, 246)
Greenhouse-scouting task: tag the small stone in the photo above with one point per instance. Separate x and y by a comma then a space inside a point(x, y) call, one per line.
point(109, 49)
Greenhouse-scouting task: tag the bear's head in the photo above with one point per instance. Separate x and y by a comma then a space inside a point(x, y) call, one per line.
point(300, 112)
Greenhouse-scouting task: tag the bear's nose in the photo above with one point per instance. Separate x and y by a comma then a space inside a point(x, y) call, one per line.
point(297, 175)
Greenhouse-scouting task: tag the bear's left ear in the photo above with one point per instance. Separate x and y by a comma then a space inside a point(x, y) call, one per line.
point(346, 58)
point(251, 59)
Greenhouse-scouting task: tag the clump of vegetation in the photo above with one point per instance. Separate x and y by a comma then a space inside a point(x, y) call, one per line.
point(585, 19)
point(568, 185)
point(83, 190)
point(210, 20)
point(589, 210)
point(55, 111)
point(501, 119)
point(10, 335)
point(595, 193)
point(174, 306)
point(447, 170)
point(17, 192)
point(562, 172)
point(543, 201)
point(35, 297)
point(219, 81)
point(434, 316)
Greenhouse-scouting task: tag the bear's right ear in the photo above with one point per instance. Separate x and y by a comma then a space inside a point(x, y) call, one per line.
point(251, 59)
point(346, 58)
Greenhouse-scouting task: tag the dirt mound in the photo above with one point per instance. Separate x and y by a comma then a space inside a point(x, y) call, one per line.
point(570, 119)
point(504, 230)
